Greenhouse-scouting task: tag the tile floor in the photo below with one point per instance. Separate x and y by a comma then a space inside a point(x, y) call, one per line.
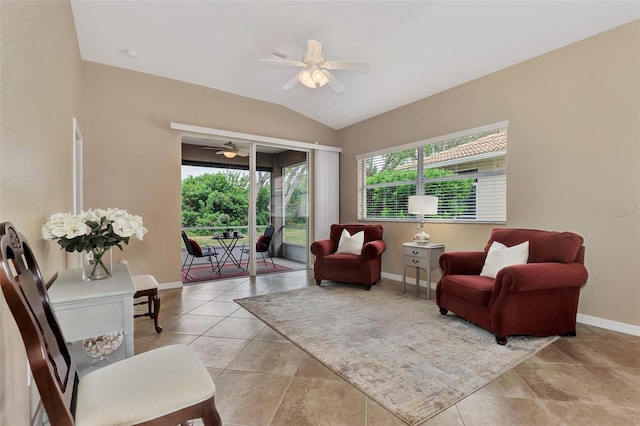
point(263, 379)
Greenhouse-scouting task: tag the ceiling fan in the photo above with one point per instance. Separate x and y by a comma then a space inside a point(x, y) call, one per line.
point(316, 68)
point(230, 150)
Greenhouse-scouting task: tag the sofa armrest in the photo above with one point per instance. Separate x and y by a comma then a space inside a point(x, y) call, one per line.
point(322, 248)
point(462, 262)
point(373, 249)
point(541, 276)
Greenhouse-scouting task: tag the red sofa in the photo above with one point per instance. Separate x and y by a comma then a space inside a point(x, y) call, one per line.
point(539, 298)
point(349, 268)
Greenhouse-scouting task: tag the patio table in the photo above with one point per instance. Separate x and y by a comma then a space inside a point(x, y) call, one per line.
point(228, 243)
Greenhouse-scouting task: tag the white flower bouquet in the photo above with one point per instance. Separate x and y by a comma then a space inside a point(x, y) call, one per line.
point(94, 231)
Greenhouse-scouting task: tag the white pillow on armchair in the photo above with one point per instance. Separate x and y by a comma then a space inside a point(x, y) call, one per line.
point(351, 244)
point(500, 256)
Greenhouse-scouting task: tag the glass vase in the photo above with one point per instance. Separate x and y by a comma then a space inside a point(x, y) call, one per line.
point(100, 347)
point(96, 264)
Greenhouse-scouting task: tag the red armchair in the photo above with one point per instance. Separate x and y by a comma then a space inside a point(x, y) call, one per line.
point(539, 298)
point(349, 268)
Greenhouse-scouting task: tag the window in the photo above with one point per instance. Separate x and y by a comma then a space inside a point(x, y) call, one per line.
point(295, 202)
point(467, 171)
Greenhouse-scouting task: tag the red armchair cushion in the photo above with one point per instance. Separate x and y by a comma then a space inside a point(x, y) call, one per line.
point(472, 288)
point(342, 260)
point(544, 246)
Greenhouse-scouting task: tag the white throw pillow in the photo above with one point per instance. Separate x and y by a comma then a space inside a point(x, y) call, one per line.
point(500, 256)
point(351, 244)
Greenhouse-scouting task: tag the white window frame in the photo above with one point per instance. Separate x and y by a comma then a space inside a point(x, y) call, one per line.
point(497, 215)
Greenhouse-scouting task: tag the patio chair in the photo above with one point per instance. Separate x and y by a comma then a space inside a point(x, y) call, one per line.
point(196, 251)
point(262, 246)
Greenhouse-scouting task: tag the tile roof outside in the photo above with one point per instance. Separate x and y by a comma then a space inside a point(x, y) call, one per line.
point(491, 143)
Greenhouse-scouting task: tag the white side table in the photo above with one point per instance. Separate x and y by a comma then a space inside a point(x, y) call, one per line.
point(420, 256)
point(87, 309)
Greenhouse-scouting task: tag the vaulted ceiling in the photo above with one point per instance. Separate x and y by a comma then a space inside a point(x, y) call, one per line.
point(415, 48)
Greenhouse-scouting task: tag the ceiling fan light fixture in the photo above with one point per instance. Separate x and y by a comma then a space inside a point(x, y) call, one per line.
point(317, 76)
point(323, 81)
point(306, 78)
point(229, 154)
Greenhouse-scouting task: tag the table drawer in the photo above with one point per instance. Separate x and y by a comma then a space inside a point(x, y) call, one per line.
point(412, 254)
point(415, 251)
point(418, 262)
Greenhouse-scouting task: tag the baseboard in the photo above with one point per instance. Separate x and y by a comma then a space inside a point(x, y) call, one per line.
point(622, 327)
point(581, 318)
point(167, 286)
point(410, 281)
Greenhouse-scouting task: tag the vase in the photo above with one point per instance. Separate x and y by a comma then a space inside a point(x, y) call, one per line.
point(96, 264)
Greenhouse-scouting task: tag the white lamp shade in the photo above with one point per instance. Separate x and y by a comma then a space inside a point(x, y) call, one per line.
point(423, 204)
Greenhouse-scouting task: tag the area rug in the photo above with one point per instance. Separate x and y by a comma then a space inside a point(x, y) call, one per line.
point(204, 273)
point(396, 348)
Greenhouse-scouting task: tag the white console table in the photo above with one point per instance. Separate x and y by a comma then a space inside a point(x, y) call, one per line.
point(423, 256)
point(93, 308)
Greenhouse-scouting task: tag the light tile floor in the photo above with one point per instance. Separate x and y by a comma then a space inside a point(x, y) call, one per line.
point(263, 379)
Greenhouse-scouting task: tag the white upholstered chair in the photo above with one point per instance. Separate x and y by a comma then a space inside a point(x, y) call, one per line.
point(165, 386)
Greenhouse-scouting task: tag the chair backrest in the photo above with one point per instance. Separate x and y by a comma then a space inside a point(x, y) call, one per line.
point(371, 232)
point(269, 232)
point(544, 246)
point(53, 369)
point(187, 244)
point(264, 241)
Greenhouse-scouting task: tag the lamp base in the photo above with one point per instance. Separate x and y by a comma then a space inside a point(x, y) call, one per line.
point(421, 238)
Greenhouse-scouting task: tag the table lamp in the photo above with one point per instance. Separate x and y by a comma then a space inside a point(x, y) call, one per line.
point(422, 204)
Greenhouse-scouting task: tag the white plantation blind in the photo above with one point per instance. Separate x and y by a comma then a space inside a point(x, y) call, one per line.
point(467, 172)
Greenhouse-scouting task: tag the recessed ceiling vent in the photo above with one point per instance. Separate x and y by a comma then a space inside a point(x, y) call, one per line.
point(278, 54)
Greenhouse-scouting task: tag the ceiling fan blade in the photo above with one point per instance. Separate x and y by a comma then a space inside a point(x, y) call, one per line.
point(333, 82)
point(314, 50)
point(283, 62)
point(242, 154)
point(358, 66)
point(291, 83)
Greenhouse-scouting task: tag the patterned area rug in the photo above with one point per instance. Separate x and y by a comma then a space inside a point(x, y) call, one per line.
point(204, 273)
point(396, 348)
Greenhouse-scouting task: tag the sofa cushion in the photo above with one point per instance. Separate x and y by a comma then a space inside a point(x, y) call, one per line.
point(350, 244)
point(342, 261)
point(544, 246)
point(471, 288)
point(500, 256)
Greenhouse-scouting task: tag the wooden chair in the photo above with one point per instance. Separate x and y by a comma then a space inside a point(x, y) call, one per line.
point(165, 386)
point(147, 286)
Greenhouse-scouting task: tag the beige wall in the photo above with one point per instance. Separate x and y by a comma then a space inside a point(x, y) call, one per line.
point(40, 93)
point(132, 158)
point(573, 154)
point(573, 158)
